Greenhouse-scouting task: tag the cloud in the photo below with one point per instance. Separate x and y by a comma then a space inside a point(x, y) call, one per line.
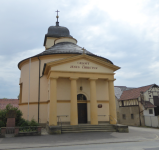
point(126, 32)
point(10, 74)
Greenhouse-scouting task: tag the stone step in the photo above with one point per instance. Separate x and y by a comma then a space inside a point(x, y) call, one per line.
point(88, 128)
point(85, 126)
point(89, 125)
point(88, 131)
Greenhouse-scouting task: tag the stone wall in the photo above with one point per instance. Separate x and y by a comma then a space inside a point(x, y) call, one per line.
point(128, 120)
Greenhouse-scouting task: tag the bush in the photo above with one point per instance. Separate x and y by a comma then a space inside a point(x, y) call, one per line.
point(3, 118)
point(22, 122)
point(33, 123)
point(19, 121)
point(4, 112)
point(2, 124)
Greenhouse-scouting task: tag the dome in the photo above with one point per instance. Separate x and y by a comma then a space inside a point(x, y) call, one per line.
point(58, 31)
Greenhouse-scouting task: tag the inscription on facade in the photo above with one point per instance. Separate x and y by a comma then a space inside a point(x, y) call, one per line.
point(83, 65)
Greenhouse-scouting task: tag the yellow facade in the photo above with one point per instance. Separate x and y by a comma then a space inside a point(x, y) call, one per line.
point(62, 78)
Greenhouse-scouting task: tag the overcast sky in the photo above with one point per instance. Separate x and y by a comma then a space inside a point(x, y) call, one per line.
point(124, 31)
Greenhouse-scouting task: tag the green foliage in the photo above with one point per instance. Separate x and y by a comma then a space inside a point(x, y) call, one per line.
point(3, 117)
point(28, 129)
point(23, 123)
point(2, 124)
point(19, 121)
point(33, 123)
point(4, 112)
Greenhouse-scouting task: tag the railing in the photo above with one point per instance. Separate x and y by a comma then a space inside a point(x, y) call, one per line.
point(10, 130)
point(113, 118)
point(18, 131)
point(59, 119)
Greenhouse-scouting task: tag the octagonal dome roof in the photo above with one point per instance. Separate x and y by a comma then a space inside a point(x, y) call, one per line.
point(58, 31)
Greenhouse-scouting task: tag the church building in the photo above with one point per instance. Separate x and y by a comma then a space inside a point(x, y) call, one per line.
point(67, 83)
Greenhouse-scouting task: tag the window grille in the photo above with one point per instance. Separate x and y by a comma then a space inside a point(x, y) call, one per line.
point(132, 116)
point(124, 116)
point(150, 111)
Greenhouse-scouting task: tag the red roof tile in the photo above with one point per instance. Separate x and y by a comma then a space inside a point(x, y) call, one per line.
point(4, 102)
point(134, 93)
point(149, 105)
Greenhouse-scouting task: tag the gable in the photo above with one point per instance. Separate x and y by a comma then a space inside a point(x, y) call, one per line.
point(82, 65)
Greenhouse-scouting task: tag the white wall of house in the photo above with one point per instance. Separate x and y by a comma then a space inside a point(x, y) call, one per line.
point(147, 112)
point(149, 96)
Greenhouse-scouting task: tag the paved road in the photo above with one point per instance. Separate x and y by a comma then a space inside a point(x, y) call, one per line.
point(137, 138)
point(152, 145)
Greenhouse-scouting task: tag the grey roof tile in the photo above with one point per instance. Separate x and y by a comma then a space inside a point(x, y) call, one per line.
point(118, 92)
point(65, 48)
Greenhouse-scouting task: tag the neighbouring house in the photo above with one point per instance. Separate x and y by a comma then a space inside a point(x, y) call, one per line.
point(133, 104)
point(5, 102)
point(126, 110)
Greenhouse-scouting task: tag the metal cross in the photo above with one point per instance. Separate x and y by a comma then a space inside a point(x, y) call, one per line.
point(57, 15)
point(83, 50)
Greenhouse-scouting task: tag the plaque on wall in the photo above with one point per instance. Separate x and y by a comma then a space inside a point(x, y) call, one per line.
point(99, 105)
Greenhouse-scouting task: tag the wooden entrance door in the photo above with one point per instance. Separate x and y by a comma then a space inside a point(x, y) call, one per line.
point(82, 109)
point(82, 112)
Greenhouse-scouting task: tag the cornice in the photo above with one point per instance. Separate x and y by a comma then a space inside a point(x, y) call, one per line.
point(63, 101)
point(74, 58)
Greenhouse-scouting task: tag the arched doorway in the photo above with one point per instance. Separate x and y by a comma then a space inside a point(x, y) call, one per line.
point(82, 108)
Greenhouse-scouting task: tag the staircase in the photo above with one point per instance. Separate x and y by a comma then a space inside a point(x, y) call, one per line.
point(88, 128)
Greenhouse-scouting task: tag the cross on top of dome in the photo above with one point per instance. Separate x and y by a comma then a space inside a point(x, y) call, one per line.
point(57, 23)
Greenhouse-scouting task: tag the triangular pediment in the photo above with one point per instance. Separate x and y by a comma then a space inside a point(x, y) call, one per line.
point(81, 63)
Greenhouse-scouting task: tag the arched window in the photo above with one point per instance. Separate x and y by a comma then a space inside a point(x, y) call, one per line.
point(81, 97)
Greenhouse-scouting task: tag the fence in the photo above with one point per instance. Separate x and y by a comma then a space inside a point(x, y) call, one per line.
point(152, 121)
point(21, 131)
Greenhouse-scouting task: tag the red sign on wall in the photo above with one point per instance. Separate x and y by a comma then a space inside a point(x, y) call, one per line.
point(99, 105)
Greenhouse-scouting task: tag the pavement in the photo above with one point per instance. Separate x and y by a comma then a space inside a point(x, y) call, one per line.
point(137, 138)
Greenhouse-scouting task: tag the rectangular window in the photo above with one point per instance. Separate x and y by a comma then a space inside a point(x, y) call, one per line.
point(132, 116)
point(122, 103)
point(20, 94)
point(150, 111)
point(124, 116)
